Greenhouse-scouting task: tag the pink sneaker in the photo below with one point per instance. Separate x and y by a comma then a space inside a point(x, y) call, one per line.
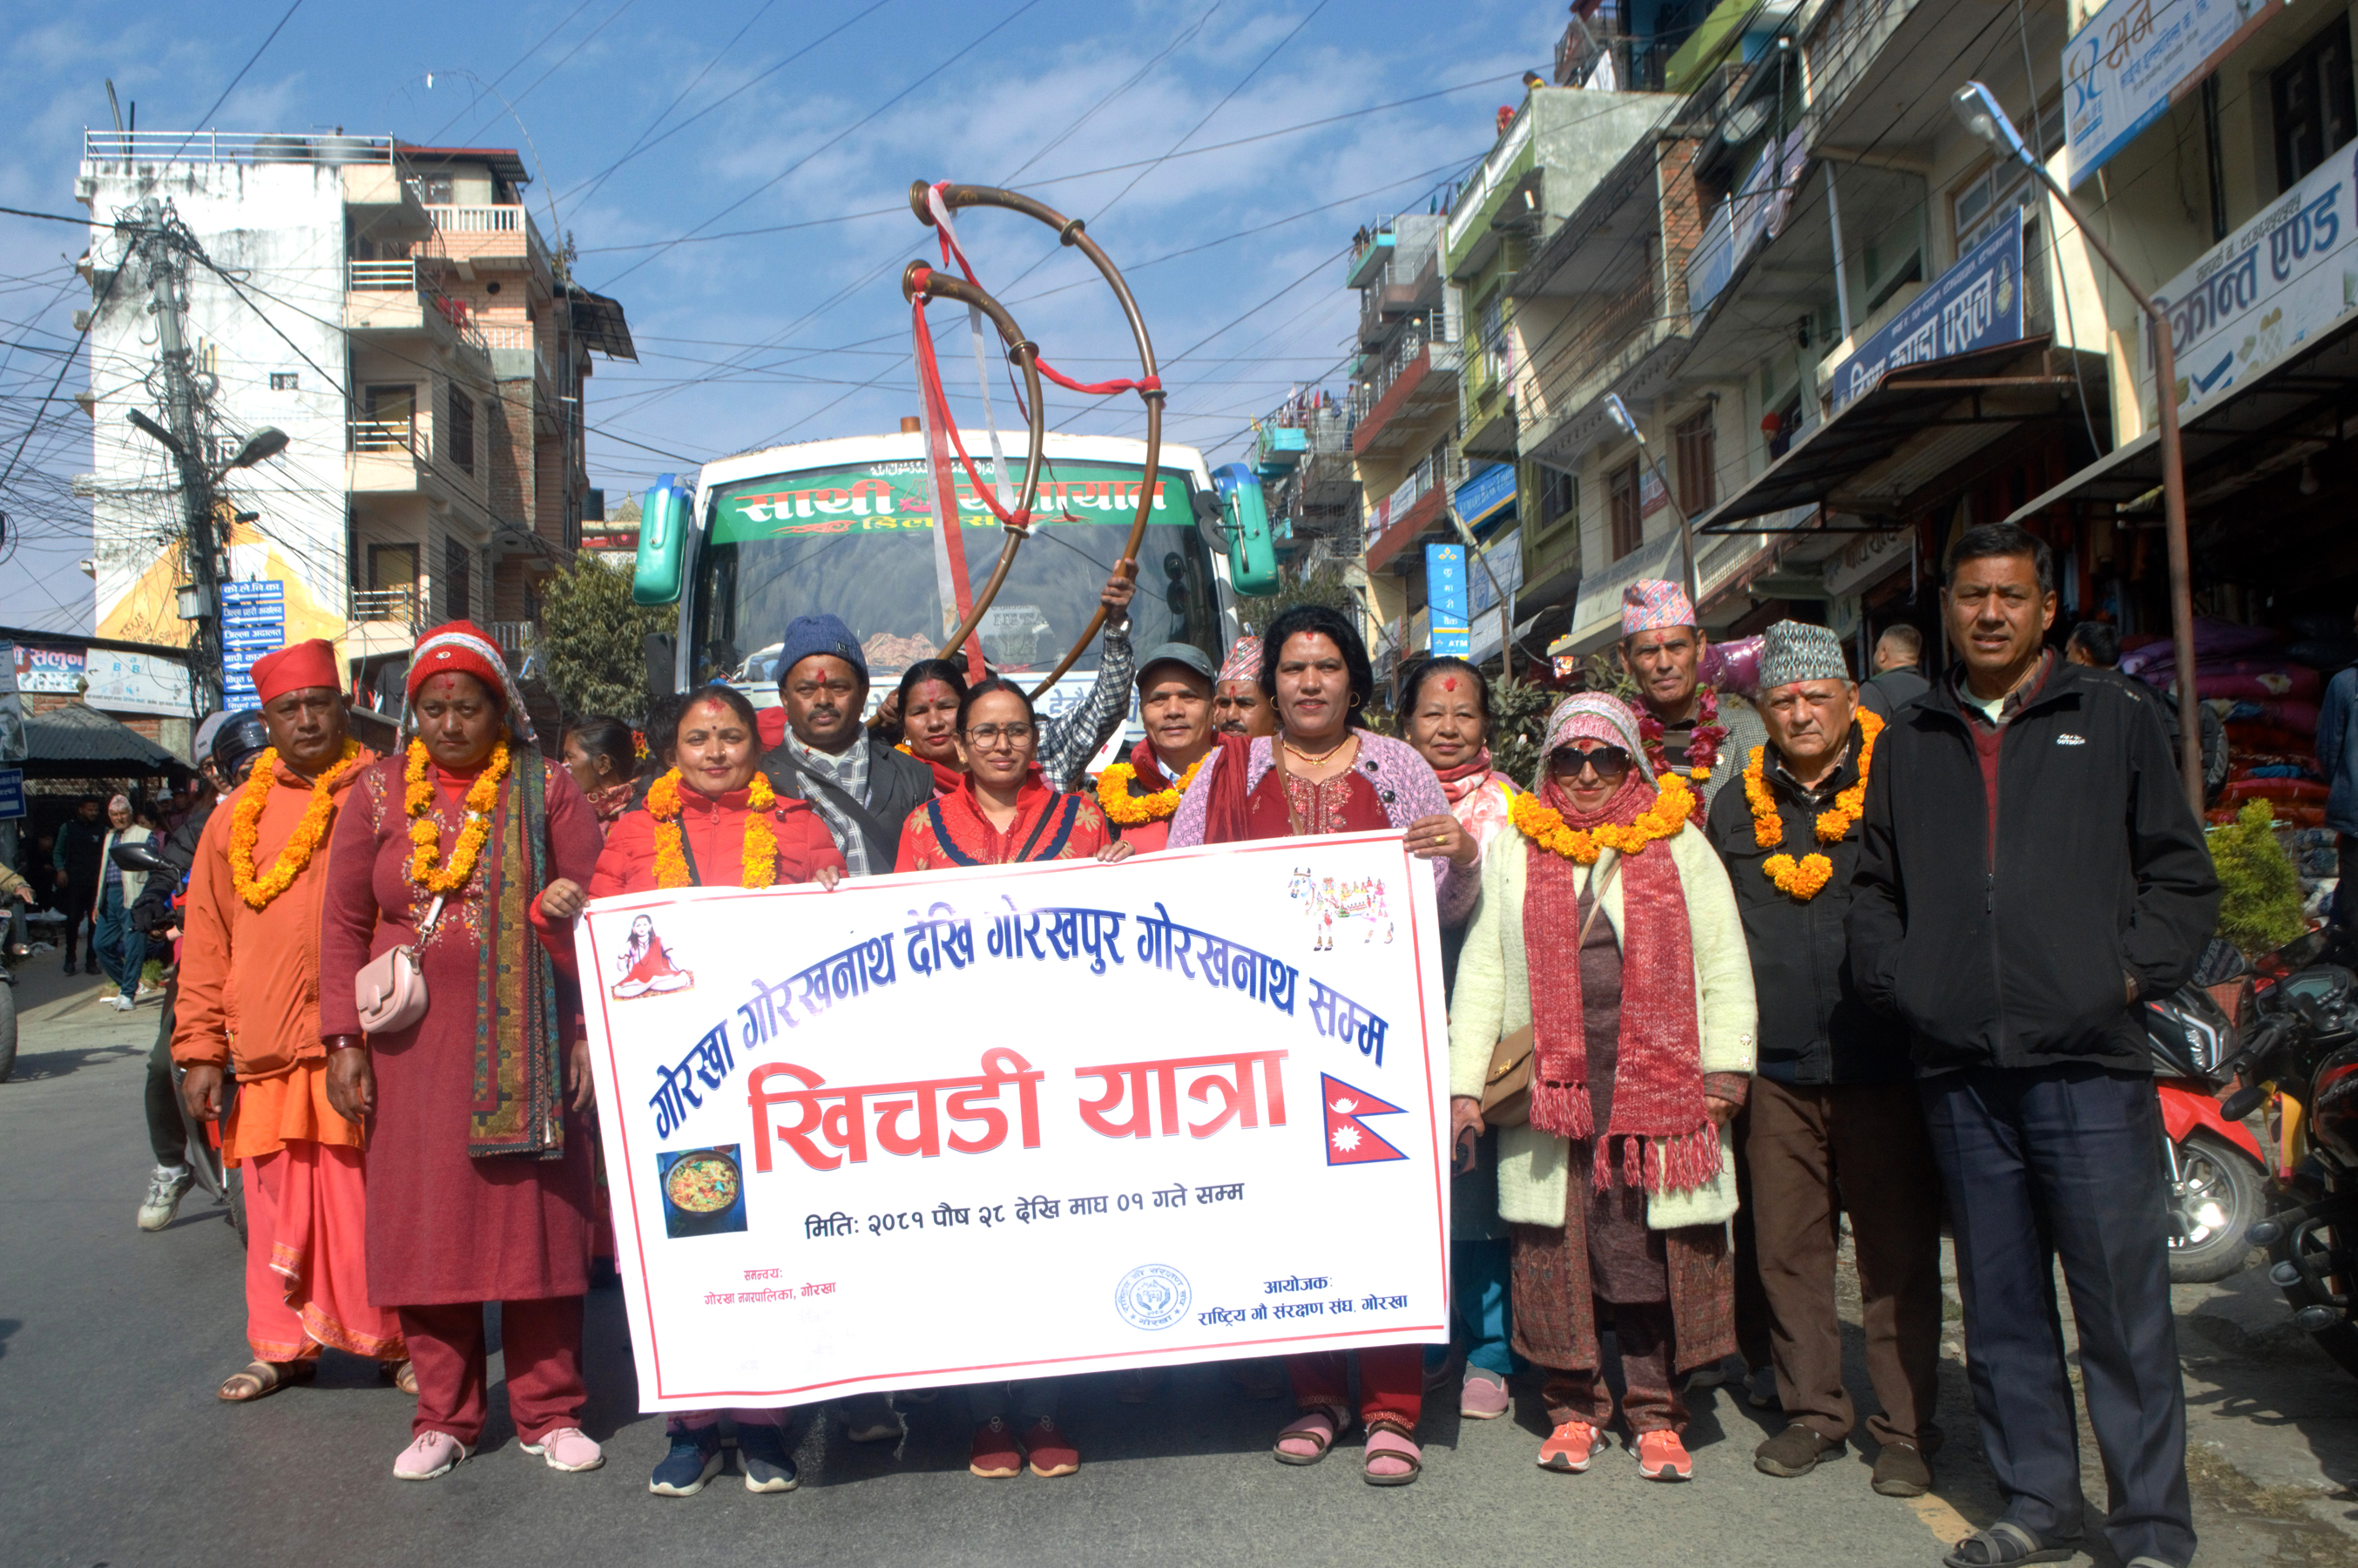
point(1484, 1396)
point(431, 1455)
point(567, 1448)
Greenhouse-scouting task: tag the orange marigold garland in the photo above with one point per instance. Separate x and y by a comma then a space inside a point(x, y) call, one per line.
point(1129, 810)
point(245, 827)
point(757, 866)
point(1806, 877)
point(425, 834)
point(1544, 826)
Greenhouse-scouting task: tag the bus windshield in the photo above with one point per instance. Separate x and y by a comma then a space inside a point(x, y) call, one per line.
point(856, 540)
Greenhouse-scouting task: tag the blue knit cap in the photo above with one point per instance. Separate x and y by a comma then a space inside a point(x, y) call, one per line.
point(809, 634)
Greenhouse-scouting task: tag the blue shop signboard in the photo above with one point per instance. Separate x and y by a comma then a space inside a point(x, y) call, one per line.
point(1447, 599)
point(1974, 305)
point(1487, 495)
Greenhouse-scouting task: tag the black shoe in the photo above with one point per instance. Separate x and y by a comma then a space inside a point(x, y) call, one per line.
point(1793, 1451)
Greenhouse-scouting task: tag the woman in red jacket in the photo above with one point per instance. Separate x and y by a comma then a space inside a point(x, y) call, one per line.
point(1005, 810)
point(714, 821)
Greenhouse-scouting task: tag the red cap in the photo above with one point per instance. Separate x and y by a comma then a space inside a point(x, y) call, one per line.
point(458, 647)
point(297, 668)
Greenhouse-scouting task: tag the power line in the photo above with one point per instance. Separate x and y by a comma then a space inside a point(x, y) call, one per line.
point(681, 97)
point(206, 117)
point(485, 89)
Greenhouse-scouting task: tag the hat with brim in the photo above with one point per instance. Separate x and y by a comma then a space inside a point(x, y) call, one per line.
point(1185, 654)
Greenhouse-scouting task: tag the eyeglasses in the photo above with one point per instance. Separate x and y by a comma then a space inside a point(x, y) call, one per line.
point(989, 735)
point(1609, 763)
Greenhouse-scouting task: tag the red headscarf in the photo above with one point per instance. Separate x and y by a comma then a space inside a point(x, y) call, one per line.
point(459, 647)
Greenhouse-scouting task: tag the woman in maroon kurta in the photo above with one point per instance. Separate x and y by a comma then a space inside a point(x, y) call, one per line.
point(477, 1196)
point(1323, 773)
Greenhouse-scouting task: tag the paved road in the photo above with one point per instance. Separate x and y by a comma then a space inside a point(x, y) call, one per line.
point(115, 1451)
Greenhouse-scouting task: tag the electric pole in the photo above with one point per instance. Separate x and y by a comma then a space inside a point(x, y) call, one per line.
point(167, 298)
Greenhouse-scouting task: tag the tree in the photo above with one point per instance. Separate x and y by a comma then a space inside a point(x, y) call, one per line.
point(593, 639)
point(2259, 903)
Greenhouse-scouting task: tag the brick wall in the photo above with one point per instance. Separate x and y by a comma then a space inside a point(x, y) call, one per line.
point(1684, 214)
point(147, 724)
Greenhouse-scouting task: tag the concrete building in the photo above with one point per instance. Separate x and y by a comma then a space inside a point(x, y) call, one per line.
point(395, 310)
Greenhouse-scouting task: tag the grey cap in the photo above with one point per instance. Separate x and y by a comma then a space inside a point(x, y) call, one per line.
point(1792, 650)
point(1186, 654)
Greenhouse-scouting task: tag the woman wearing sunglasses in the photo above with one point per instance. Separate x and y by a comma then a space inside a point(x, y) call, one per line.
point(1608, 930)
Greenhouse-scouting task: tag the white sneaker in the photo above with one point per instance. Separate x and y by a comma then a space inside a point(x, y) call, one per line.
point(167, 1185)
point(120, 1003)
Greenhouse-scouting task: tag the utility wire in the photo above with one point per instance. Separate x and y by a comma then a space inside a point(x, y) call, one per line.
point(203, 118)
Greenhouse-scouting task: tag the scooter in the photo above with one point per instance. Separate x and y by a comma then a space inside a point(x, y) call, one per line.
point(2301, 1052)
point(2217, 1170)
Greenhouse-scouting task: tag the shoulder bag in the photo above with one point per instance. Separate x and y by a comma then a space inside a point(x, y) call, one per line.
point(390, 990)
point(1507, 1087)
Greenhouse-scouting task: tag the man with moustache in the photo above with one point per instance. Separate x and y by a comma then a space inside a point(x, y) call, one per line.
point(1239, 705)
point(863, 788)
point(1690, 728)
point(1140, 795)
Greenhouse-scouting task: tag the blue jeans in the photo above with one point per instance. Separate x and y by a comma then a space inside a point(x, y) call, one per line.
point(2042, 1162)
point(121, 951)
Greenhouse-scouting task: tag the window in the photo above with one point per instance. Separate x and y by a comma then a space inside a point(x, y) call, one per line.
point(434, 190)
point(1698, 463)
point(283, 380)
point(2311, 95)
point(457, 587)
point(1621, 509)
point(1558, 497)
point(389, 419)
point(460, 439)
point(1788, 428)
point(1981, 204)
point(1496, 349)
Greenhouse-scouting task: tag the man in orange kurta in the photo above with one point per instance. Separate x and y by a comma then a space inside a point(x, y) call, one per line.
point(249, 997)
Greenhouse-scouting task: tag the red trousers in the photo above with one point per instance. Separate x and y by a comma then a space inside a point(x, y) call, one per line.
point(1392, 1383)
point(541, 1342)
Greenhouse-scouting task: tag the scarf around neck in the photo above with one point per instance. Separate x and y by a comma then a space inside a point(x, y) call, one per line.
point(1668, 1141)
point(1463, 780)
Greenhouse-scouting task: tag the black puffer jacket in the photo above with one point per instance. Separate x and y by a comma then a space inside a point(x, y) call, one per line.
point(2019, 957)
point(154, 911)
point(1814, 1026)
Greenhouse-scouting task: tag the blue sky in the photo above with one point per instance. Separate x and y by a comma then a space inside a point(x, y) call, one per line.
point(624, 109)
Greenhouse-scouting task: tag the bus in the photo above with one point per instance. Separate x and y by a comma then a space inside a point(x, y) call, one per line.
point(846, 526)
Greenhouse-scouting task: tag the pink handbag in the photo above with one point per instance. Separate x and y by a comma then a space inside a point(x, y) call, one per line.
point(390, 990)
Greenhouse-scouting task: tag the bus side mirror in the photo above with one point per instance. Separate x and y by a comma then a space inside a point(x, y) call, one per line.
point(664, 517)
point(1244, 515)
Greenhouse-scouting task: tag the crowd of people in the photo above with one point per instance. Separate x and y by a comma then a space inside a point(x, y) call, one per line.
point(1723, 972)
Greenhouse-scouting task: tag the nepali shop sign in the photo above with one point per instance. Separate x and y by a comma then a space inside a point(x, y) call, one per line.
point(2262, 291)
point(1023, 1120)
point(887, 497)
point(2134, 59)
point(1974, 305)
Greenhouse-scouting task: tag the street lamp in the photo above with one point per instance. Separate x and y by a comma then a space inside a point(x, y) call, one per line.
point(1978, 107)
point(1628, 424)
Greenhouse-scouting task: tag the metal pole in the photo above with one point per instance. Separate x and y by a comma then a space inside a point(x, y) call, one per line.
point(2173, 500)
point(1834, 226)
point(205, 671)
point(1506, 600)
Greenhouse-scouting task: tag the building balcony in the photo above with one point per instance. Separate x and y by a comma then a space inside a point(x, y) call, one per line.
point(398, 607)
point(1418, 379)
point(1396, 526)
point(495, 239)
point(392, 298)
point(402, 457)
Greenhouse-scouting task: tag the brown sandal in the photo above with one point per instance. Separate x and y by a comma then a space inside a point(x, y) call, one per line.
point(260, 1380)
point(402, 1374)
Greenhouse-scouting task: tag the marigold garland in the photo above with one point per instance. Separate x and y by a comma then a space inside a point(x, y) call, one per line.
point(757, 864)
point(246, 827)
point(426, 834)
point(1804, 879)
point(1544, 826)
point(1157, 806)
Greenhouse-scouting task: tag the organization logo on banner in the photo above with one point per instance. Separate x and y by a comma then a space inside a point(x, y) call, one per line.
point(1348, 1140)
point(1152, 1296)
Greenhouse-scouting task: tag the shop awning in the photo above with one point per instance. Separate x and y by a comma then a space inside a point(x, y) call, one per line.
point(1929, 416)
point(2263, 428)
point(79, 741)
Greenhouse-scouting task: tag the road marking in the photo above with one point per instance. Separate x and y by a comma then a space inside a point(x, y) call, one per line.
point(1947, 1525)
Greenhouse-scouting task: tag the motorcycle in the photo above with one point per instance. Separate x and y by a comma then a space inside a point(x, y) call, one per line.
point(2217, 1169)
point(13, 925)
point(2302, 1050)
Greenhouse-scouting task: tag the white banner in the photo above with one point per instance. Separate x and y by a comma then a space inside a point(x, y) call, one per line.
point(2133, 59)
point(1023, 1121)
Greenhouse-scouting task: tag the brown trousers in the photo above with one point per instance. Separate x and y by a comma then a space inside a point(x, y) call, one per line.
point(1861, 1148)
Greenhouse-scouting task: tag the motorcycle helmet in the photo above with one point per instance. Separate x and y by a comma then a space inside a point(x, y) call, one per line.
point(242, 737)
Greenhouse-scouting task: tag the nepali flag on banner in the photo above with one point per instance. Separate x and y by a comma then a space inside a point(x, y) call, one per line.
point(1348, 1141)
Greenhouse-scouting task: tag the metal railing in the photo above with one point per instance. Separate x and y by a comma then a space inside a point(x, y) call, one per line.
point(1423, 330)
point(232, 147)
point(391, 276)
point(505, 220)
point(402, 606)
point(387, 436)
point(515, 635)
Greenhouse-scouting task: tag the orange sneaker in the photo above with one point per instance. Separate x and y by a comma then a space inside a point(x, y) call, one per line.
point(1662, 1457)
point(1571, 1446)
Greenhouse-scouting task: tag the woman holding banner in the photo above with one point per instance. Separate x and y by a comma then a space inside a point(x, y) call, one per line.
point(1323, 773)
point(1638, 1031)
point(1445, 715)
point(469, 850)
point(1005, 813)
point(712, 820)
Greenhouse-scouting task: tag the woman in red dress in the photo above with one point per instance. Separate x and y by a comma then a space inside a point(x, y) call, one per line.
point(1323, 773)
point(927, 707)
point(470, 849)
point(1006, 813)
point(602, 753)
point(692, 831)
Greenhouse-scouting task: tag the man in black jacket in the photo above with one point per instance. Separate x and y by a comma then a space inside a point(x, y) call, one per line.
point(1832, 1121)
point(81, 837)
point(2029, 869)
point(863, 788)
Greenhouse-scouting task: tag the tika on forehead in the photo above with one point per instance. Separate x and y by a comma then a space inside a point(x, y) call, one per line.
point(1449, 683)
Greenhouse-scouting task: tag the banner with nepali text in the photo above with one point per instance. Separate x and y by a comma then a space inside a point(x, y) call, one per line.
point(1023, 1120)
